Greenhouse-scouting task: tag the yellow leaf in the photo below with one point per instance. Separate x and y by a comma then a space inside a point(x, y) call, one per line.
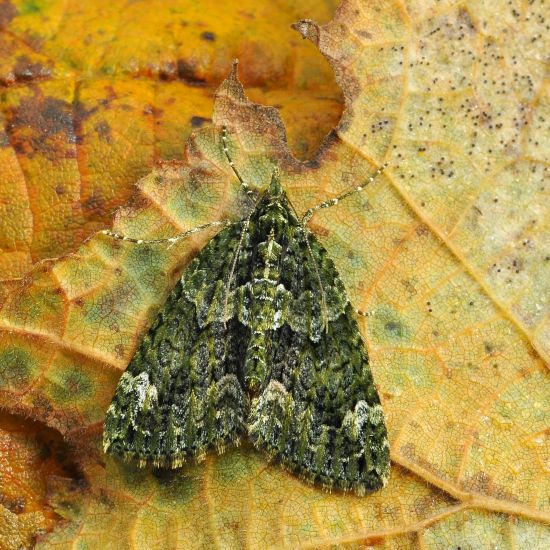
point(28, 460)
point(457, 355)
point(95, 93)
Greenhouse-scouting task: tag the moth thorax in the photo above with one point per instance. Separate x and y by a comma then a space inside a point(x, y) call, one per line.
point(275, 220)
point(269, 253)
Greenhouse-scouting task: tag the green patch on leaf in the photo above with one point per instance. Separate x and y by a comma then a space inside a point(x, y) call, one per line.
point(389, 326)
point(70, 382)
point(16, 368)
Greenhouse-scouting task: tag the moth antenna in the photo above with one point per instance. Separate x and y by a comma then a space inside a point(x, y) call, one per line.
point(244, 184)
point(324, 307)
point(171, 240)
point(334, 201)
point(246, 223)
point(364, 313)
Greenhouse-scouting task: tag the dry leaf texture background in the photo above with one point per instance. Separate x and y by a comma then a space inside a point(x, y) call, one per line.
point(449, 250)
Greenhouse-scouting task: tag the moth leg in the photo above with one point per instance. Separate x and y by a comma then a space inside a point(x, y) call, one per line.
point(171, 240)
point(310, 212)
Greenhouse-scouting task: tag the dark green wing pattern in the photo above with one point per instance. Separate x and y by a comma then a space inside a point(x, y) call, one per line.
point(257, 337)
point(317, 408)
point(182, 392)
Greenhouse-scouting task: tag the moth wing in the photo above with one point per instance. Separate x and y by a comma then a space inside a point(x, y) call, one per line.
point(319, 410)
point(181, 393)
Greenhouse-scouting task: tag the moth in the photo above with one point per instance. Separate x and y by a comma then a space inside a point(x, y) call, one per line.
point(257, 339)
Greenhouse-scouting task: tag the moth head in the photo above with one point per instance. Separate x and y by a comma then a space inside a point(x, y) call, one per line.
point(275, 191)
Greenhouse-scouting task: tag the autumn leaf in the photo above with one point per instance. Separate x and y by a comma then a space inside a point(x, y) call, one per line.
point(456, 101)
point(95, 93)
point(28, 460)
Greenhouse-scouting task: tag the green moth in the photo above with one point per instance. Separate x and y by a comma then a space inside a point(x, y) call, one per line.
point(257, 339)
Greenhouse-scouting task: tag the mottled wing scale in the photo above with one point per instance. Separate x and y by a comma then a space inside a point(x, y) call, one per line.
point(257, 338)
point(181, 393)
point(317, 410)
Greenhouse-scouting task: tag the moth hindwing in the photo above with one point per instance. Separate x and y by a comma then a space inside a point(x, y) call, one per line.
point(257, 338)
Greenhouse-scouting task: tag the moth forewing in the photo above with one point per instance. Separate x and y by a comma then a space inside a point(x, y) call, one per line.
point(257, 338)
